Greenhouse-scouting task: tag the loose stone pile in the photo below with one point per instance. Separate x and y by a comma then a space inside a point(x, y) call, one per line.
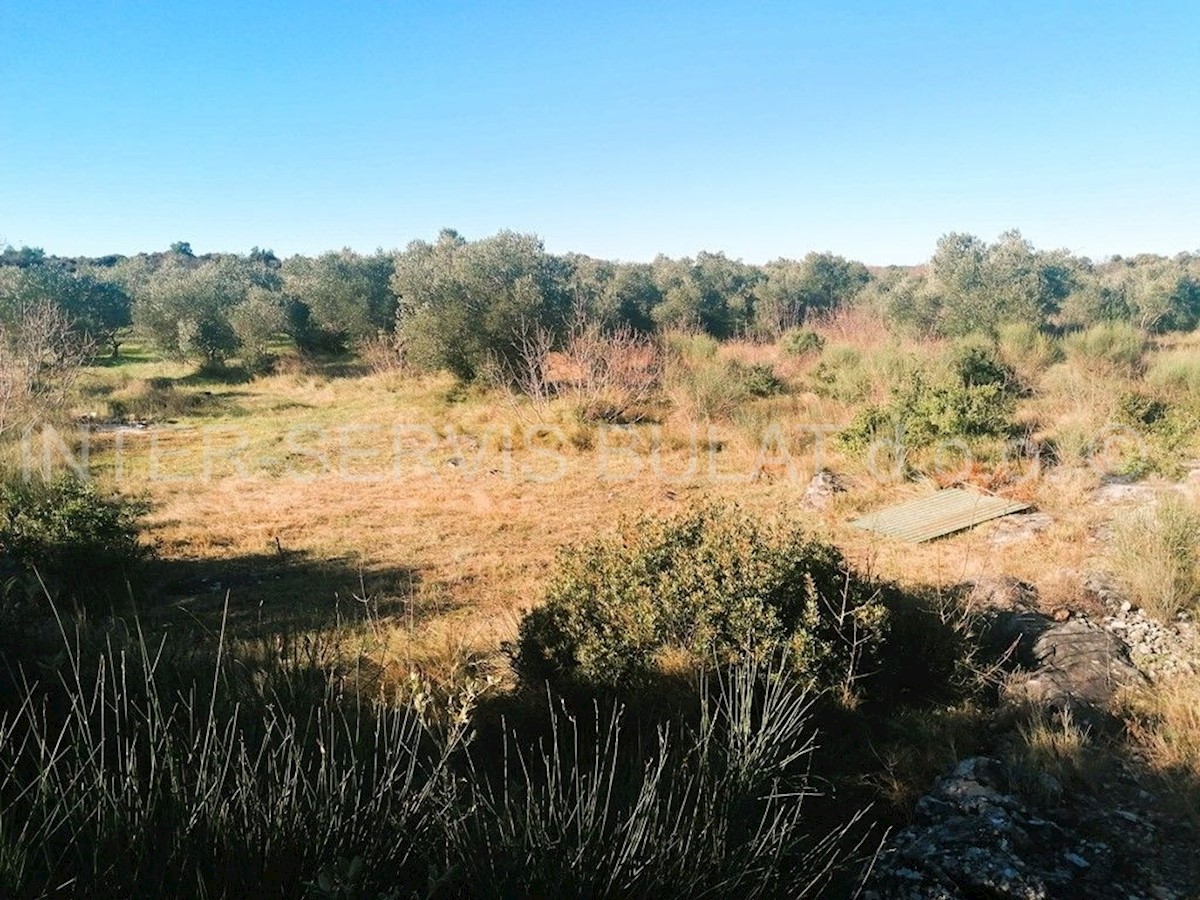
point(1159, 649)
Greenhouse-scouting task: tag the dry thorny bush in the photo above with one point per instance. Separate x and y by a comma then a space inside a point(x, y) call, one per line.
point(41, 356)
point(609, 374)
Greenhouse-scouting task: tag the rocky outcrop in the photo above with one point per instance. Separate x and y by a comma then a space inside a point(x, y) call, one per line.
point(1017, 528)
point(972, 838)
point(975, 835)
point(1160, 649)
point(1067, 662)
point(1076, 665)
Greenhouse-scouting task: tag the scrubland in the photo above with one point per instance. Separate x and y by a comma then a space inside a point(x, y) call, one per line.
point(577, 626)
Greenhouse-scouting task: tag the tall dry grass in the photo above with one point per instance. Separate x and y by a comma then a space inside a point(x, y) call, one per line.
point(1156, 556)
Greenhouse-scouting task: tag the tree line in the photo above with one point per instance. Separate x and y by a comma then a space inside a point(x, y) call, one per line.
point(460, 304)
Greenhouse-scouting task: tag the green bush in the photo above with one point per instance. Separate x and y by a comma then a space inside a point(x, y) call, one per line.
point(921, 412)
point(758, 379)
point(1028, 351)
point(714, 583)
point(1168, 430)
point(82, 544)
point(842, 375)
point(977, 362)
point(801, 342)
point(1113, 346)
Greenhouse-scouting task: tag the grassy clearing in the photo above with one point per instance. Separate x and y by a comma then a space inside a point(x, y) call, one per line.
point(422, 518)
point(433, 497)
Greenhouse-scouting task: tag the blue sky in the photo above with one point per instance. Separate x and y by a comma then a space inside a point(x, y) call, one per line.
point(616, 129)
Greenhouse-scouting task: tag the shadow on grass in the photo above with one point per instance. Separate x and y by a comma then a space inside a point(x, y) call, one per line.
point(129, 355)
point(269, 593)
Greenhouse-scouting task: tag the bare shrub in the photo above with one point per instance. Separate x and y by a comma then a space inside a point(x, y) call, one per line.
point(610, 375)
point(41, 356)
point(383, 353)
point(529, 376)
point(613, 374)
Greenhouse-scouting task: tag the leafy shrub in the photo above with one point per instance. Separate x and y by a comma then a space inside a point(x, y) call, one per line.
point(257, 321)
point(464, 306)
point(1028, 351)
point(977, 362)
point(1112, 346)
point(1140, 409)
point(920, 413)
point(758, 379)
point(715, 583)
point(83, 545)
point(1167, 430)
point(842, 374)
point(801, 342)
point(1156, 556)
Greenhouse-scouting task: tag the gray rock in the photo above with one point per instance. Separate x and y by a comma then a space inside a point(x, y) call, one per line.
point(1076, 665)
point(971, 839)
point(822, 488)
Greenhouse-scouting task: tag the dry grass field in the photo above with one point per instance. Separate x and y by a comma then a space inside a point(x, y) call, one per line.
point(311, 493)
point(379, 532)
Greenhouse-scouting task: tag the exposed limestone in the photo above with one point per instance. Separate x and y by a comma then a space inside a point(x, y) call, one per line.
point(1020, 527)
point(822, 488)
point(974, 836)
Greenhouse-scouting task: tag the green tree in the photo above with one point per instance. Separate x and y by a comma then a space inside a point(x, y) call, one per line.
point(185, 309)
point(256, 321)
point(1151, 292)
point(711, 293)
point(791, 290)
point(977, 287)
point(97, 309)
point(347, 296)
point(25, 256)
point(612, 294)
point(465, 305)
point(829, 281)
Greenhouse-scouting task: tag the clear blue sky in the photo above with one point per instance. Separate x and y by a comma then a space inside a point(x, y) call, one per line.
point(618, 129)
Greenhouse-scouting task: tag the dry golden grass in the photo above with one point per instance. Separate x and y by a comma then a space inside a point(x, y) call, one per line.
point(1164, 724)
point(450, 502)
point(1055, 744)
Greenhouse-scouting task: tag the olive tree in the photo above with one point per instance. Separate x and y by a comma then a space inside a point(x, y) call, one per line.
point(711, 293)
point(343, 297)
point(96, 308)
point(973, 286)
point(465, 305)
